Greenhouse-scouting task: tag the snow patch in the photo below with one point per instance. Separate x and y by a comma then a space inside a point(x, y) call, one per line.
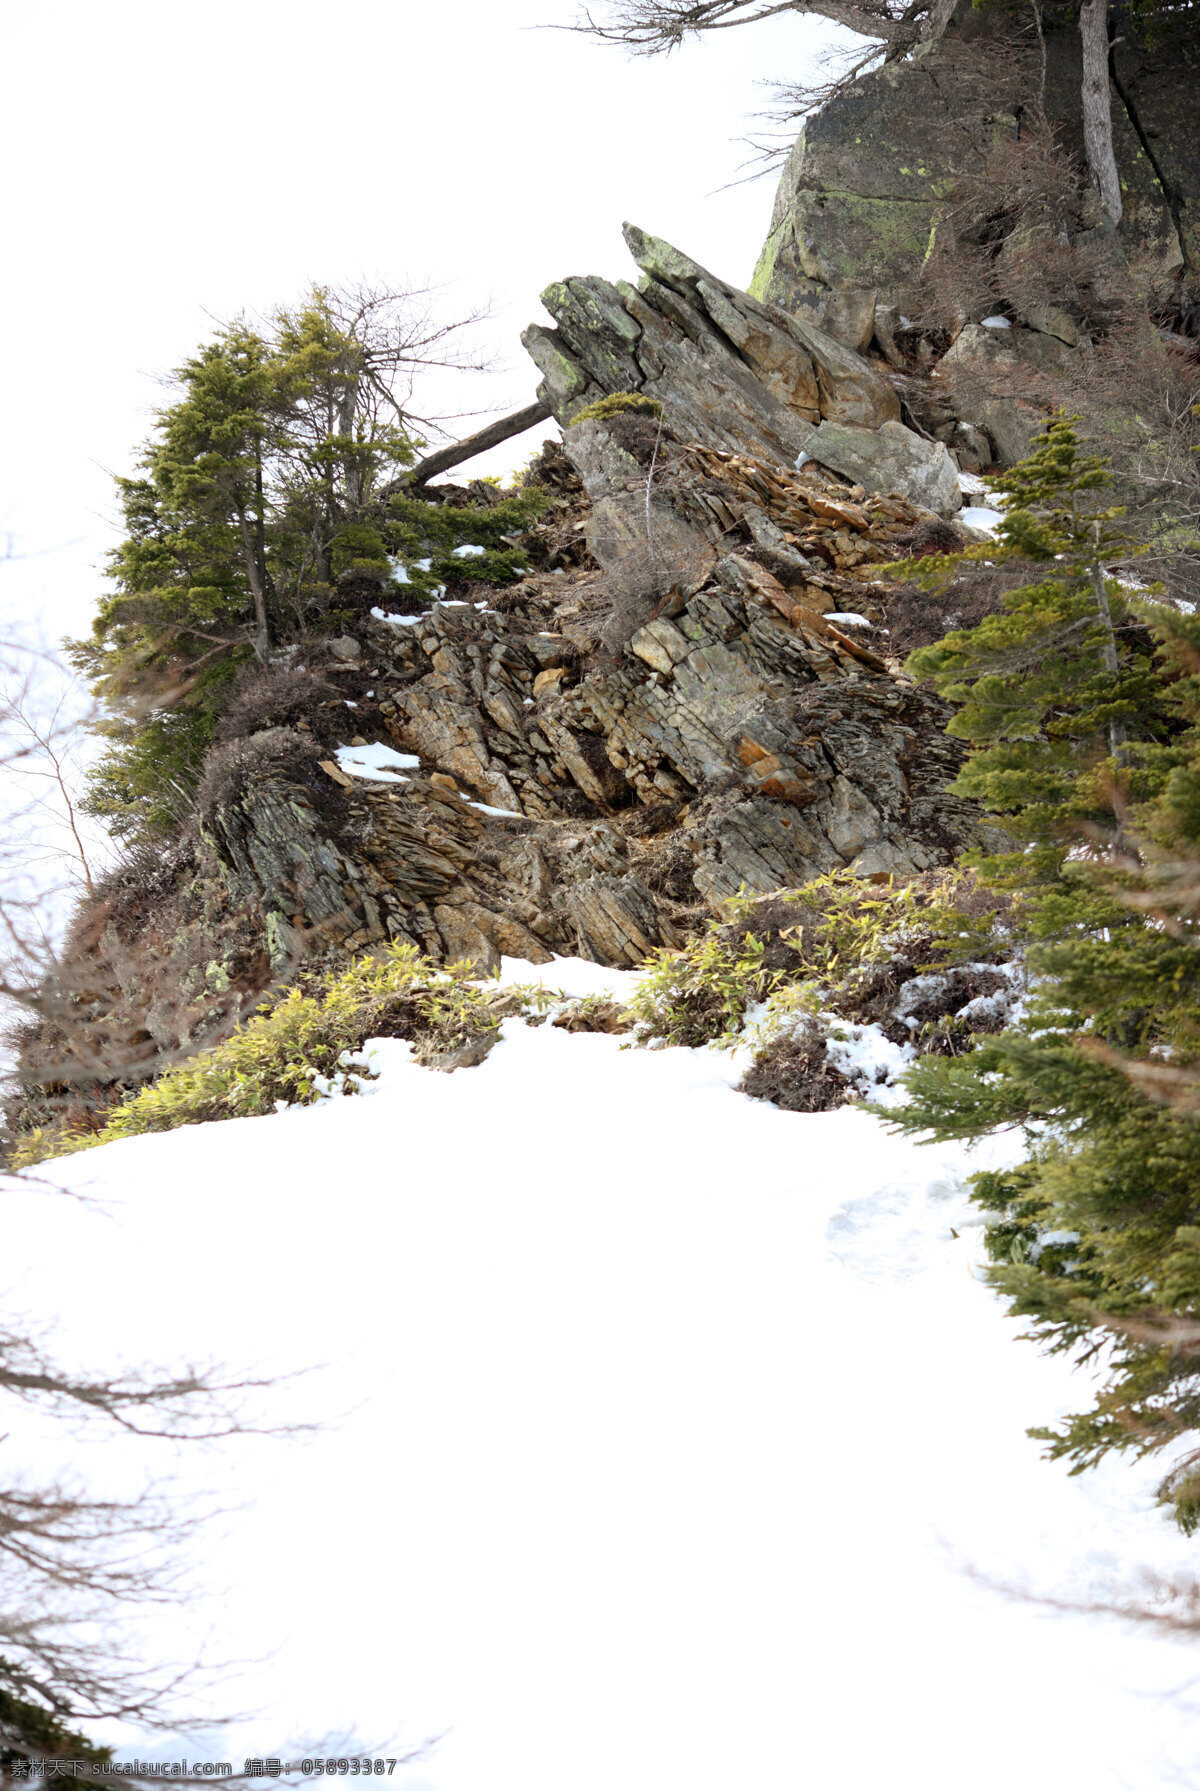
point(659, 1428)
point(381, 615)
point(376, 763)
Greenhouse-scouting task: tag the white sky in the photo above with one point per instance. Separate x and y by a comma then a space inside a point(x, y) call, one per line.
point(167, 165)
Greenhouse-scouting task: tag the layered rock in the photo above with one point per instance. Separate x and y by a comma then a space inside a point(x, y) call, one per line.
point(690, 696)
point(729, 371)
point(749, 732)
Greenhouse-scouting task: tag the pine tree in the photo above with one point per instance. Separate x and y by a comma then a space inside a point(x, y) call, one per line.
point(269, 481)
point(1088, 752)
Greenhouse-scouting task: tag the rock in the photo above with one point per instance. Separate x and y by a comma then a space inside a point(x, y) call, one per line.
point(891, 458)
point(971, 447)
point(345, 648)
point(617, 920)
point(1157, 89)
point(631, 528)
point(467, 1056)
point(869, 175)
point(730, 372)
point(1000, 382)
point(547, 682)
point(592, 1014)
point(1052, 320)
point(887, 322)
point(463, 940)
point(565, 386)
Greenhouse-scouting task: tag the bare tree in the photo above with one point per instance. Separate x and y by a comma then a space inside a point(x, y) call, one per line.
point(897, 28)
point(1097, 106)
point(71, 1566)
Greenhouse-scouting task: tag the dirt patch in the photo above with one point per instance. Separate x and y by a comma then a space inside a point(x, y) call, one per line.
point(796, 1074)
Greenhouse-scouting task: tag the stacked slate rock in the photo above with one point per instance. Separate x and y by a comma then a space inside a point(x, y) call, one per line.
point(732, 372)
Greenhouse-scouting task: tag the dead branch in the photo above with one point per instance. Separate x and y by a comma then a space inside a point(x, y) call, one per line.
point(440, 462)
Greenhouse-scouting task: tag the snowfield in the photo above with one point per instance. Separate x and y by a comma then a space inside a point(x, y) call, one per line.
point(669, 1440)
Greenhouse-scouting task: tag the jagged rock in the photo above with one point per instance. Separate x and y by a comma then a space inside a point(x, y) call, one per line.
point(891, 458)
point(630, 526)
point(568, 800)
point(730, 372)
point(781, 745)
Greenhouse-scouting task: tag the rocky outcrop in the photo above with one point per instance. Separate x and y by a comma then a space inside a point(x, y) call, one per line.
point(690, 694)
point(748, 733)
point(873, 191)
point(729, 371)
point(871, 171)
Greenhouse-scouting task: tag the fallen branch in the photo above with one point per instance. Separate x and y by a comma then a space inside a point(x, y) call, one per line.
point(491, 437)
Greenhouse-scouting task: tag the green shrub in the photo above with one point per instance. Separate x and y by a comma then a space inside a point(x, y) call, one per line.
point(300, 1049)
point(700, 995)
point(424, 536)
point(840, 944)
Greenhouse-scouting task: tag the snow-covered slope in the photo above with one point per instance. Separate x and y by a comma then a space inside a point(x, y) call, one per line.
point(670, 1439)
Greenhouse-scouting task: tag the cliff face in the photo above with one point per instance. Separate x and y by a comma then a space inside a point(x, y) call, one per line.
point(863, 188)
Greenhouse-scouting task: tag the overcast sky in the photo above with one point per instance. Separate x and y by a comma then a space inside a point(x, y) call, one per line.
point(168, 165)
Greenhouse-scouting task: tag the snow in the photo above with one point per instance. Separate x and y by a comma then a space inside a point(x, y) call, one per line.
point(802, 459)
point(848, 618)
point(669, 1439)
point(381, 615)
point(997, 323)
point(971, 482)
point(377, 763)
point(469, 552)
point(485, 809)
point(977, 516)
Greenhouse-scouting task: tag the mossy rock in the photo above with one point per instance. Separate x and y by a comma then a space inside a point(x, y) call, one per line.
point(615, 404)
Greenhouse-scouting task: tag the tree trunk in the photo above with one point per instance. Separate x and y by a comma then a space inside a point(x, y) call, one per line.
point(352, 470)
point(263, 641)
point(939, 16)
point(1097, 105)
point(1118, 737)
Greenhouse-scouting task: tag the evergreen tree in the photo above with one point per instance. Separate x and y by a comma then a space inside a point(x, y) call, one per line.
point(269, 480)
point(1088, 752)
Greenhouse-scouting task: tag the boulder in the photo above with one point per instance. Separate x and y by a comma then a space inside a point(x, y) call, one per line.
point(1000, 379)
point(890, 459)
point(871, 171)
